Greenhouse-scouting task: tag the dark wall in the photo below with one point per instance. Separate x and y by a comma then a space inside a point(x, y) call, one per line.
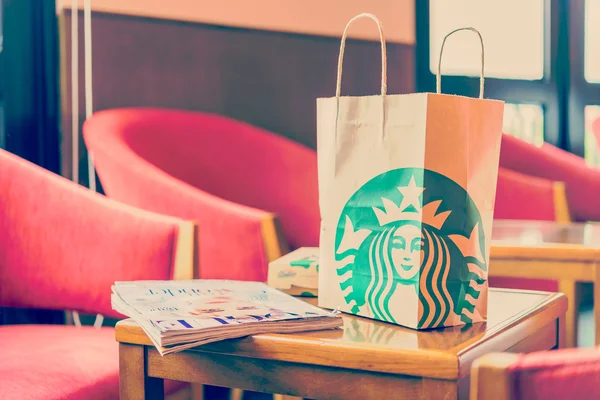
point(269, 79)
point(29, 102)
point(29, 92)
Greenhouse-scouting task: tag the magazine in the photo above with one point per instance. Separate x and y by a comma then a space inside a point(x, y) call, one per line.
point(178, 315)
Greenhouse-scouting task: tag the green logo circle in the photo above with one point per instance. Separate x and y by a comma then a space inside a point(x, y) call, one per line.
point(411, 230)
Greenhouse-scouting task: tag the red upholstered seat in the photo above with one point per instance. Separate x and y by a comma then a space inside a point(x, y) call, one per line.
point(519, 196)
point(62, 246)
point(549, 162)
point(48, 362)
point(71, 244)
point(562, 374)
point(546, 375)
point(227, 175)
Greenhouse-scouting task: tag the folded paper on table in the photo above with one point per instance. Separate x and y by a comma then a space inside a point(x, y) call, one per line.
point(406, 192)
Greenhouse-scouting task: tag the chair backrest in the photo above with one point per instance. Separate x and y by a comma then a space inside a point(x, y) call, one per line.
point(226, 158)
point(62, 246)
point(549, 162)
point(557, 374)
point(519, 196)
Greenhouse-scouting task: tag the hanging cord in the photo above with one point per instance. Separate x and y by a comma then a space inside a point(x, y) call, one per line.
point(74, 92)
point(75, 104)
point(75, 108)
point(89, 105)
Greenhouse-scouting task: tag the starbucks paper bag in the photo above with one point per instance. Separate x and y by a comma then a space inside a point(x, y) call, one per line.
point(407, 186)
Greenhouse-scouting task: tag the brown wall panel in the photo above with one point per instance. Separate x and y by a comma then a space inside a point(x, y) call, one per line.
point(266, 78)
point(313, 17)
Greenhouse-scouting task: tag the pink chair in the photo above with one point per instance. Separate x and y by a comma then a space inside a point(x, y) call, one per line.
point(582, 183)
point(523, 197)
point(548, 375)
point(520, 196)
point(62, 247)
point(231, 177)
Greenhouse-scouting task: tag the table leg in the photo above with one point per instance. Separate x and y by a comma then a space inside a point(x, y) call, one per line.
point(197, 391)
point(572, 291)
point(561, 326)
point(236, 394)
point(133, 382)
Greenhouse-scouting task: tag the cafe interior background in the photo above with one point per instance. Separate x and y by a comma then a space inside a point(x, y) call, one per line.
point(265, 62)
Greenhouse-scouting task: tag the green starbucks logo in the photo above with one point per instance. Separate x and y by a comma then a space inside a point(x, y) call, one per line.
point(411, 239)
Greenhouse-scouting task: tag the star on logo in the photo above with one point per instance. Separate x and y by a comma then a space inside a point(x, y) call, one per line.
point(411, 194)
point(410, 208)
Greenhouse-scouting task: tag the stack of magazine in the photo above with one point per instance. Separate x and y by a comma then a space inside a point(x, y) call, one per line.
point(179, 315)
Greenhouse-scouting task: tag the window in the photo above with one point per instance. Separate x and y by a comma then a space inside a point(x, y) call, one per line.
point(592, 43)
point(592, 151)
point(525, 121)
point(522, 42)
point(514, 53)
point(585, 80)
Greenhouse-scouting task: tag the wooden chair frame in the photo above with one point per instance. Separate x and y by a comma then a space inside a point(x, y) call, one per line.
point(491, 378)
point(561, 205)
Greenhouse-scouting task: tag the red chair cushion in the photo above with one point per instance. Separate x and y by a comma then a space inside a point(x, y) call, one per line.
point(550, 162)
point(61, 362)
point(72, 244)
point(564, 374)
point(226, 175)
point(233, 160)
point(519, 196)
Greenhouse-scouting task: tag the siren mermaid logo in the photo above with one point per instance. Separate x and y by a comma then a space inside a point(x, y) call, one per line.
point(410, 250)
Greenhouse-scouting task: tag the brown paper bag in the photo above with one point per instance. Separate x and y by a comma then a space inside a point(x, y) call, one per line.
point(407, 186)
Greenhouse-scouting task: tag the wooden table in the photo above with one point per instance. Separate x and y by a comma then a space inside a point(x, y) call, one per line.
point(569, 253)
point(364, 360)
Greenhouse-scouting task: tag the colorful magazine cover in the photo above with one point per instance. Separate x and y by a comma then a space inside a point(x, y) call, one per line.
point(174, 305)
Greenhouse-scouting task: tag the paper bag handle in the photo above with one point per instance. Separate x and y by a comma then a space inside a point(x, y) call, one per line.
point(383, 54)
point(439, 76)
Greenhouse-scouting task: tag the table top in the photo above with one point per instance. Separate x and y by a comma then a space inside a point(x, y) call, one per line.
point(377, 346)
point(545, 240)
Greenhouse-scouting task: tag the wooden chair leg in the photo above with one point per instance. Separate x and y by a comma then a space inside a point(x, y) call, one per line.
point(285, 397)
point(197, 391)
point(236, 394)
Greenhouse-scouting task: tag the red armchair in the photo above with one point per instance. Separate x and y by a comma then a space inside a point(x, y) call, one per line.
point(520, 196)
point(62, 247)
point(214, 170)
point(549, 375)
point(582, 183)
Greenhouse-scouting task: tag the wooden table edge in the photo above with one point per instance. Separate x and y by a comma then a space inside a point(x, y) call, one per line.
point(436, 364)
point(441, 364)
point(559, 308)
